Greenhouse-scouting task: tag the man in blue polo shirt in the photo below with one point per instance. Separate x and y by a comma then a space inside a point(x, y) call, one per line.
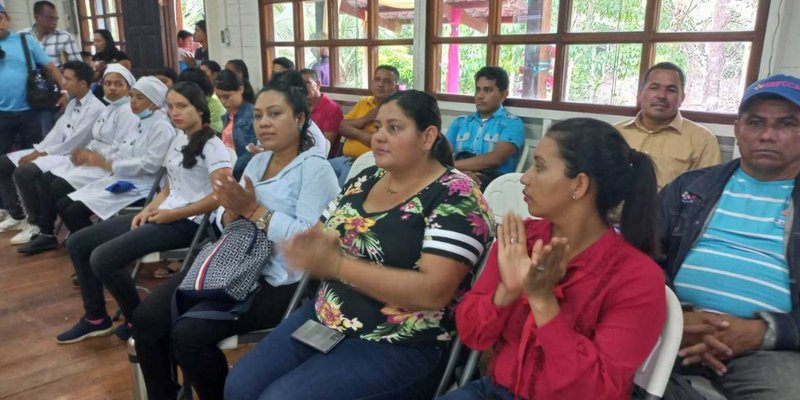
point(488, 142)
point(731, 240)
point(19, 125)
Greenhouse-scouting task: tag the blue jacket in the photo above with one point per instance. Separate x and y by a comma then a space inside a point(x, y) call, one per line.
point(243, 134)
point(687, 205)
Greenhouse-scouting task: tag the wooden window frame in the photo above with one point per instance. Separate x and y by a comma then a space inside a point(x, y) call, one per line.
point(371, 42)
point(649, 37)
point(87, 35)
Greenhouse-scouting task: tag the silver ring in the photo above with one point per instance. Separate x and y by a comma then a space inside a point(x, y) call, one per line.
point(513, 240)
point(540, 268)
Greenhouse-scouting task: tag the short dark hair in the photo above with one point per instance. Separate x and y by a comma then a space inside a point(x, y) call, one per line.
point(200, 24)
point(667, 66)
point(212, 66)
point(284, 62)
point(39, 6)
point(493, 73)
point(310, 72)
point(198, 77)
point(182, 34)
point(393, 70)
point(82, 70)
point(169, 73)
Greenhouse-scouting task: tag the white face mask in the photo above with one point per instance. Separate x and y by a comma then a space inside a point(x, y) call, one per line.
point(145, 114)
point(121, 100)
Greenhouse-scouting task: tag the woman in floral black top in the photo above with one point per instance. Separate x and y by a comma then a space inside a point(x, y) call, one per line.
point(394, 251)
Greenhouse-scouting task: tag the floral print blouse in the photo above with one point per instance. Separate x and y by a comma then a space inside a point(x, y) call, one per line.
point(449, 218)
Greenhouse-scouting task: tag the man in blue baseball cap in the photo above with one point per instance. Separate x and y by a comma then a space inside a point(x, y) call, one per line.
point(731, 238)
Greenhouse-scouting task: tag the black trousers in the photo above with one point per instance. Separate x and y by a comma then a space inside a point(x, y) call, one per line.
point(192, 342)
point(26, 177)
point(52, 189)
point(101, 252)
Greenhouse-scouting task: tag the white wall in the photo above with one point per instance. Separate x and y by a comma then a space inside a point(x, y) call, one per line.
point(21, 13)
point(239, 20)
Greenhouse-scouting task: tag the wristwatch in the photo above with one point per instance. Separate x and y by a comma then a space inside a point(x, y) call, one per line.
point(262, 222)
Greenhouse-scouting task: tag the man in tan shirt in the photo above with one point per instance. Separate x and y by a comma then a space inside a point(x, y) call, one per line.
point(675, 144)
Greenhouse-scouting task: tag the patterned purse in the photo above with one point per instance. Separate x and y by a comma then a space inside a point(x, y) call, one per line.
point(229, 268)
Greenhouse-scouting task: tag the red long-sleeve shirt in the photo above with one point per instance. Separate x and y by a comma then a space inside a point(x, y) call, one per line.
point(613, 307)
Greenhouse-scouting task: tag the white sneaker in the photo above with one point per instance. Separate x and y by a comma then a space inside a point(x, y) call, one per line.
point(26, 234)
point(11, 224)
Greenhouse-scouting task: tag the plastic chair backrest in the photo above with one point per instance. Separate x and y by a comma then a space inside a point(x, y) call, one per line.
point(456, 346)
point(361, 163)
point(504, 194)
point(527, 153)
point(653, 374)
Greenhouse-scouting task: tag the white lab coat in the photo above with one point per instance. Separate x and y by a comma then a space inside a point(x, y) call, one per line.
point(115, 123)
point(138, 159)
point(72, 131)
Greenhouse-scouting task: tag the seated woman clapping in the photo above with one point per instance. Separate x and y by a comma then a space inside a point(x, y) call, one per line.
point(570, 306)
point(393, 251)
point(284, 191)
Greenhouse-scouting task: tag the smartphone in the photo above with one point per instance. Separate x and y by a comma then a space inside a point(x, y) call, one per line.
point(318, 336)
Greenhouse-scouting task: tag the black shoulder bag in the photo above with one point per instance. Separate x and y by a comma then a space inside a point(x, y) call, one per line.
point(43, 93)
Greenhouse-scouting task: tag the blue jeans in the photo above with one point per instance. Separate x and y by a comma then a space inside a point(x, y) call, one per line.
point(341, 166)
point(480, 389)
point(280, 367)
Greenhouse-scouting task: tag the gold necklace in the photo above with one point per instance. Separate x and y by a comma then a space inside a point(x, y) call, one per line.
point(394, 192)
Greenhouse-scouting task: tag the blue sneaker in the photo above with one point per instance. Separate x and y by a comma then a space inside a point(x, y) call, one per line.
point(123, 331)
point(84, 330)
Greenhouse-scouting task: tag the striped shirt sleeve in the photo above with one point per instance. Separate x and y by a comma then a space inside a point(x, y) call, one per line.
point(460, 226)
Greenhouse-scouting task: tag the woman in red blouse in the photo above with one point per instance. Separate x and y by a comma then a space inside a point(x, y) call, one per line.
point(570, 306)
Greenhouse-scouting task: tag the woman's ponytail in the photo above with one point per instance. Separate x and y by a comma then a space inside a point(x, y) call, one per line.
point(442, 152)
point(639, 219)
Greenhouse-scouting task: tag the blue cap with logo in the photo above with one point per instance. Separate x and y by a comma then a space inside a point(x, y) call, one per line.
point(784, 86)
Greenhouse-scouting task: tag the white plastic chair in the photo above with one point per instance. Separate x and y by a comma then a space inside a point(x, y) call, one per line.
point(361, 163)
point(527, 151)
point(504, 194)
point(653, 374)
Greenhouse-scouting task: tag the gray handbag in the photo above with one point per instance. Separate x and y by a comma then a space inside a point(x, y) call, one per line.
point(229, 268)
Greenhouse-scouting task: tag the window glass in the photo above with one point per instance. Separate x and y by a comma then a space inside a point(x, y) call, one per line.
point(714, 71)
point(353, 67)
point(530, 70)
point(603, 73)
point(458, 65)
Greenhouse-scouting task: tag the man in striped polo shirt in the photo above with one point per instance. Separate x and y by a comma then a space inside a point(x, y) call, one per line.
point(731, 238)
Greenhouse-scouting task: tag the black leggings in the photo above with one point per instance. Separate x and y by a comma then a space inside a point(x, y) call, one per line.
point(101, 252)
point(193, 342)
